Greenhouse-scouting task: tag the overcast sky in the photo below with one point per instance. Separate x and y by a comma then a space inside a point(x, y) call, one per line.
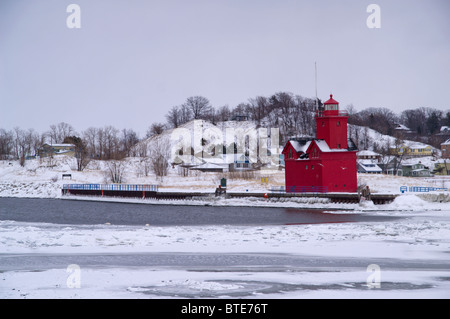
point(131, 61)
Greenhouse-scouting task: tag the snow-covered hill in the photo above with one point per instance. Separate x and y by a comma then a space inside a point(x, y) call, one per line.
point(369, 139)
point(198, 141)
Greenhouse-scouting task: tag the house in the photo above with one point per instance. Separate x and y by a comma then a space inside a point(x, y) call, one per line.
point(223, 163)
point(370, 155)
point(368, 166)
point(445, 129)
point(416, 170)
point(442, 167)
point(391, 165)
point(326, 163)
point(420, 150)
point(402, 130)
point(393, 171)
point(417, 149)
point(211, 167)
point(47, 150)
point(240, 117)
point(367, 162)
point(445, 149)
point(241, 162)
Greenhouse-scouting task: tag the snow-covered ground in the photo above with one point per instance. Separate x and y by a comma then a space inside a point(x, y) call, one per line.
point(297, 261)
point(38, 179)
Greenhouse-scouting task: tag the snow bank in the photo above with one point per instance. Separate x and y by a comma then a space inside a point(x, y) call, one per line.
point(412, 238)
point(408, 202)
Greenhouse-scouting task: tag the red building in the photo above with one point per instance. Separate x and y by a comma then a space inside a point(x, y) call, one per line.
point(324, 164)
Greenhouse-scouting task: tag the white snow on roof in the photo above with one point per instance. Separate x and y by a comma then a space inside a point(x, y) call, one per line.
point(299, 147)
point(210, 166)
point(367, 153)
point(61, 145)
point(402, 127)
point(419, 146)
point(370, 167)
point(325, 148)
point(323, 145)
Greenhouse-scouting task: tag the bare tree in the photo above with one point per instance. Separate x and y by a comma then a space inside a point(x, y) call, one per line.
point(59, 132)
point(258, 108)
point(101, 143)
point(128, 140)
point(224, 113)
point(90, 138)
point(398, 151)
point(37, 140)
point(185, 114)
point(284, 102)
point(111, 145)
point(381, 119)
point(351, 110)
point(212, 116)
point(115, 170)
point(6, 144)
point(155, 129)
point(159, 157)
point(20, 145)
point(141, 149)
point(174, 117)
point(305, 123)
point(199, 106)
point(145, 166)
point(81, 152)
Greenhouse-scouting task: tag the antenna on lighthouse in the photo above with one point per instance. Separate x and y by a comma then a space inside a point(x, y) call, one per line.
point(315, 67)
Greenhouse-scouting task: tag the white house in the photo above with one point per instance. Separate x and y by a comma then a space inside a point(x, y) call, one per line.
point(368, 166)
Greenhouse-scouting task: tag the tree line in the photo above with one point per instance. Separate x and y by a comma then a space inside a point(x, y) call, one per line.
point(292, 114)
point(102, 143)
point(421, 124)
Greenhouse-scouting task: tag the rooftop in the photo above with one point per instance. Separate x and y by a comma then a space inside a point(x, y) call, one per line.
point(331, 100)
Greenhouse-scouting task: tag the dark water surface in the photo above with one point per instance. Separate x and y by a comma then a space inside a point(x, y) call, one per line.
point(76, 212)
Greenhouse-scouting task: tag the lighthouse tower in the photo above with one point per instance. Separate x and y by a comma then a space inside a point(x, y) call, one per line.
point(331, 125)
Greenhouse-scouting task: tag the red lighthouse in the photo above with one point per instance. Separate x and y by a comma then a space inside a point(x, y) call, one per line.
point(324, 164)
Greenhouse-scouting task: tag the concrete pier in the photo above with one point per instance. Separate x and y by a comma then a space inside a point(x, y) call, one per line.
point(152, 191)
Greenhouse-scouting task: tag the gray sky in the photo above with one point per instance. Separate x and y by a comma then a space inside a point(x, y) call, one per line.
point(131, 61)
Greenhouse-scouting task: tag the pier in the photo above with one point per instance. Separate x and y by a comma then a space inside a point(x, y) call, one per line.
point(152, 191)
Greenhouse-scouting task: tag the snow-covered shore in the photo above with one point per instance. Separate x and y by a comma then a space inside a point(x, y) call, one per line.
point(37, 180)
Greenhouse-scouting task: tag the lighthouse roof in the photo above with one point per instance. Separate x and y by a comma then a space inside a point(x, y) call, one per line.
point(331, 100)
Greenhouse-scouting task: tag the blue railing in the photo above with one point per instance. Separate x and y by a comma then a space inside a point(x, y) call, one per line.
point(421, 189)
point(112, 187)
point(300, 189)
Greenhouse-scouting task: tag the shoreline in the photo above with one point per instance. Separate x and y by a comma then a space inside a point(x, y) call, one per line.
point(414, 203)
